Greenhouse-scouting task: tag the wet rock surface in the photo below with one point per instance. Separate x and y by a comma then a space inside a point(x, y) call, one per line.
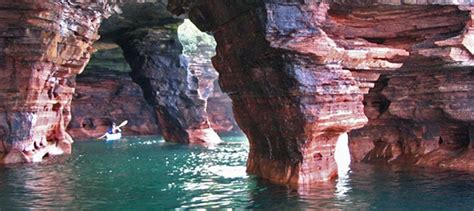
point(44, 45)
point(297, 72)
point(157, 65)
point(147, 33)
point(105, 92)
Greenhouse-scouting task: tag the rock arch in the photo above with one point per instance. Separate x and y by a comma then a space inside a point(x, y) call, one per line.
point(48, 44)
point(297, 73)
point(147, 33)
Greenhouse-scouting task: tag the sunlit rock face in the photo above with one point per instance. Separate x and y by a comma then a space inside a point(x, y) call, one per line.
point(297, 72)
point(199, 48)
point(147, 33)
point(423, 112)
point(423, 117)
point(44, 45)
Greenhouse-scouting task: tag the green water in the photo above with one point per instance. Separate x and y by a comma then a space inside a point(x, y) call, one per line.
point(146, 173)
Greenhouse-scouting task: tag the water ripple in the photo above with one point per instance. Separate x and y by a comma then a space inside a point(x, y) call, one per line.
point(146, 172)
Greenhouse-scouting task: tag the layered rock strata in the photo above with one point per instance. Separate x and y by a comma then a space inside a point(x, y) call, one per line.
point(44, 44)
point(106, 93)
point(424, 119)
point(297, 71)
point(154, 56)
point(221, 116)
point(147, 33)
point(422, 112)
point(107, 96)
point(219, 105)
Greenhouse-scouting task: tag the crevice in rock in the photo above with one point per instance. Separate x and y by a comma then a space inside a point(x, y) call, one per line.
point(375, 40)
point(356, 43)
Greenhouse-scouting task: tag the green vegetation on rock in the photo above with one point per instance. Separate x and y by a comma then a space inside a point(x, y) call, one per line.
point(194, 41)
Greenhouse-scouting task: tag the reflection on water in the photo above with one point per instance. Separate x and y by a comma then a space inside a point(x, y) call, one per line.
point(145, 172)
point(36, 186)
point(343, 160)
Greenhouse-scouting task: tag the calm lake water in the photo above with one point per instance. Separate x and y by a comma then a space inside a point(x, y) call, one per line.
point(145, 172)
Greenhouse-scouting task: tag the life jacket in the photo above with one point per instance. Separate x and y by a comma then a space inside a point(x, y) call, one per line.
point(110, 131)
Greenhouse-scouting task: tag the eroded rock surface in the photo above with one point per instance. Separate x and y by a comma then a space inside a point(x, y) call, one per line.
point(157, 65)
point(221, 116)
point(219, 105)
point(421, 115)
point(423, 111)
point(106, 93)
point(297, 71)
point(147, 33)
point(107, 96)
point(44, 44)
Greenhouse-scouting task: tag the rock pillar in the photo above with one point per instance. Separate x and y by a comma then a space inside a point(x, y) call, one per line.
point(154, 54)
point(291, 80)
point(44, 44)
point(297, 72)
point(147, 34)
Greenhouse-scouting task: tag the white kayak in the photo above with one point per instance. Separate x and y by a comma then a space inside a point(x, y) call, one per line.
point(113, 136)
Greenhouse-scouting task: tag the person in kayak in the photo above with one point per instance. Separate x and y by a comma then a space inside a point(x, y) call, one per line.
point(114, 129)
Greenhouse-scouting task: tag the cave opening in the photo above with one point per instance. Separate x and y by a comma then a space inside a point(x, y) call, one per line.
point(134, 73)
point(304, 78)
point(410, 109)
point(105, 93)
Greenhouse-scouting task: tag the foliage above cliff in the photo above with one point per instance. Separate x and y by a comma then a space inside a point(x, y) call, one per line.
point(194, 41)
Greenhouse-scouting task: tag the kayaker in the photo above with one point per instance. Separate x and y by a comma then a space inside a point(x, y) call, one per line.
point(114, 129)
point(114, 132)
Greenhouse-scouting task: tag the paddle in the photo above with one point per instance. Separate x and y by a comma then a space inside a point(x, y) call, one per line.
point(119, 126)
point(123, 124)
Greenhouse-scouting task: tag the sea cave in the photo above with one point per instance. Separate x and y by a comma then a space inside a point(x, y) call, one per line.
point(237, 104)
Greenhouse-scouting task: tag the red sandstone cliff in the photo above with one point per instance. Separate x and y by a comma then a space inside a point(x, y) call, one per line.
point(103, 97)
point(147, 33)
point(298, 71)
point(221, 116)
point(44, 44)
point(106, 93)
